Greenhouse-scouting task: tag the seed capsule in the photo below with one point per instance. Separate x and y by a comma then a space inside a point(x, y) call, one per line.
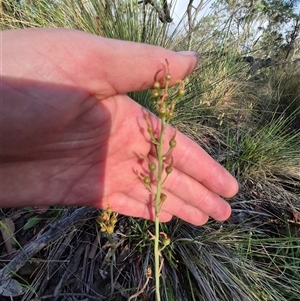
point(168, 76)
point(104, 217)
point(172, 143)
point(152, 166)
point(169, 169)
point(113, 220)
point(156, 85)
point(110, 229)
point(162, 112)
point(163, 197)
point(170, 115)
point(155, 94)
point(180, 92)
point(166, 241)
point(147, 180)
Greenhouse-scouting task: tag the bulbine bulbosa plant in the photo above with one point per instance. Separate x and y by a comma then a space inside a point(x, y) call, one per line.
point(159, 171)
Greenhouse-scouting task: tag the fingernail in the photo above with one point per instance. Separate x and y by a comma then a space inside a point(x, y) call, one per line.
point(188, 53)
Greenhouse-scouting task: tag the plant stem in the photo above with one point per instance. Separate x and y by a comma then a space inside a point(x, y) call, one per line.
point(158, 207)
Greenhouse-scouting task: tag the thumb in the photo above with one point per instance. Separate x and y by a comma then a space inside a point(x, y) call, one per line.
point(129, 66)
point(101, 66)
point(116, 67)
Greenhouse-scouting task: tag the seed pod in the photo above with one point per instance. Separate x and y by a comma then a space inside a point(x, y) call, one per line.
point(166, 241)
point(104, 217)
point(168, 76)
point(147, 180)
point(110, 229)
point(155, 94)
point(113, 220)
point(152, 166)
point(169, 169)
point(172, 143)
point(162, 112)
point(180, 92)
point(156, 85)
point(170, 115)
point(163, 197)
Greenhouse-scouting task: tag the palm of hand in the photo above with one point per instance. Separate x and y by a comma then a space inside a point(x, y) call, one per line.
point(84, 151)
point(77, 138)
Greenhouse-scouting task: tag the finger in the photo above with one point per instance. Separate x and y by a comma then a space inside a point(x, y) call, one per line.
point(193, 162)
point(190, 159)
point(101, 66)
point(134, 65)
point(187, 198)
point(107, 66)
point(127, 205)
point(197, 198)
point(138, 201)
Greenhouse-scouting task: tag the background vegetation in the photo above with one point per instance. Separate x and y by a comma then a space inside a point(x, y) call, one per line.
point(242, 104)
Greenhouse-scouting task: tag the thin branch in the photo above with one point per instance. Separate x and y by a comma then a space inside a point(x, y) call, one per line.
point(192, 18)
point(162, 11)
point(55, 231)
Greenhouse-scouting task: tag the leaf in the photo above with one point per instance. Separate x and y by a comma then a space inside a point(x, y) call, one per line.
point(11, 288)
point(32, 221)
point(28, 208)
point(7, 228)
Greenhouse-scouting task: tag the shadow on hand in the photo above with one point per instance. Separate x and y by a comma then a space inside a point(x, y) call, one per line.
point(53, 145)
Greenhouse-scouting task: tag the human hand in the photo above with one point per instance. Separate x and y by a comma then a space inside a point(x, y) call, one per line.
point(70, 136)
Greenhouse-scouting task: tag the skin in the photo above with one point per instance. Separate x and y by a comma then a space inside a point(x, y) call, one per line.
point(70, 135)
